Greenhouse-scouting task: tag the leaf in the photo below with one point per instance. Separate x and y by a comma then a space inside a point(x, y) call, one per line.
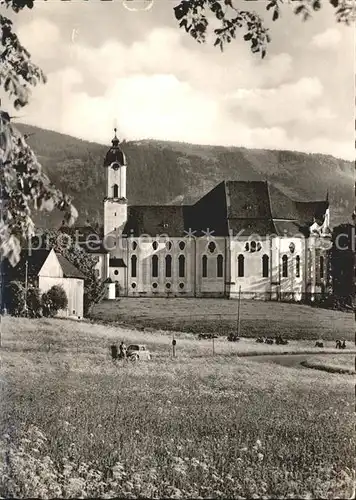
point(247, 37)
point(334, 3)
point(299, 9)
point(275, 15)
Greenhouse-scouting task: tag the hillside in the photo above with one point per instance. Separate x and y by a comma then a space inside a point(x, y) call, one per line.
point(162, 172)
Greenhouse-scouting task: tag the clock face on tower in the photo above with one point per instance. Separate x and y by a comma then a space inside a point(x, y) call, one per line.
point(115, 166)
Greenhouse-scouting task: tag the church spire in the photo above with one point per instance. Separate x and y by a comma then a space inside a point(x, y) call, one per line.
point(115, 142)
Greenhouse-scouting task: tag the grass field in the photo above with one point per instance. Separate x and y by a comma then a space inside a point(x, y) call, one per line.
point(333, 362)
point(75, 424)
point(293, 321)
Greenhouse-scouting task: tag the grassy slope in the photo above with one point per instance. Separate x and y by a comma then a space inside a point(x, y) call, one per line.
point(194, 426)
point(169, 172)
point(292, 321)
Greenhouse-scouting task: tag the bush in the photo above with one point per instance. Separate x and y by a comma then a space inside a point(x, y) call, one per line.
point(15, 298)
point(54, 300)
point(34, 302)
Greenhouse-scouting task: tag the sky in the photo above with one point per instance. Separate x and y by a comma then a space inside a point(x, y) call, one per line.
point(109, 66)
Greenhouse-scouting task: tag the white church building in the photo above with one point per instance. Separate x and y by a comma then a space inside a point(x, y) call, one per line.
point(242, 236)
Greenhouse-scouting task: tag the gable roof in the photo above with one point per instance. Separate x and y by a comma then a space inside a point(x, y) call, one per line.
point(69, 270)
point(36, 260)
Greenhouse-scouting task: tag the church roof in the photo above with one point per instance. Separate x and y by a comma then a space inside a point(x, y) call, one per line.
point(155, 220)
point(240, 207)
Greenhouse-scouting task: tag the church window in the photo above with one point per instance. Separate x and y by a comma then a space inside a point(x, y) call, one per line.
point(321, 266)
point(168, 285)
point(116, 191)
point(219, 266)
point(265, 266)
point(134, 245)
point(181, 285)
point(169, 245)
point(155, 245)
point(247, 247)
point(154, 285)
point(168, 266)
point(154, 266)
point(204, 266)
point(212, 247)
point(285, 266)
point(181, 266)
point(181, 245)
point(133, 285)
point(116, 272)
point(253, 246)
point(297, 266)
point(240, 266)
point(133, 266)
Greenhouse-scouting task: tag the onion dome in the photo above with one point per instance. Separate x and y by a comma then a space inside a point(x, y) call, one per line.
point(115, 156)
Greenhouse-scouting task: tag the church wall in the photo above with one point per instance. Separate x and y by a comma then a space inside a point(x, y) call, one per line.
point(146, 249)
point(102, 266)
point(292, 286)
point(115, 216)
point(212, 282)
point(253, 284)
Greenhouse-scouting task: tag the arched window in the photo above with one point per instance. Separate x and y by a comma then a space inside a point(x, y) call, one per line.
point(155, 245)
point(181, 266)
point(240, 266)
point(321, 266)
point(297, 266)
point(154, 266)
point(168, 266)
point(116, 191)
point(219, 266)
point(265, 266)
point(133, 266)
point(204, 262)
point(285, 266)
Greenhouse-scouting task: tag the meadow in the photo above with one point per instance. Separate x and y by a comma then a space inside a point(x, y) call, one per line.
point(257, 318)
point(76, 424)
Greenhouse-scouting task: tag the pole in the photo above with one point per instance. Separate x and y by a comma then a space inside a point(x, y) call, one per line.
point(174, 343)
point(238, 312)
point(26, 278)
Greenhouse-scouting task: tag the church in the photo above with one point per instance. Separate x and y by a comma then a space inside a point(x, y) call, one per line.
point(242, 238)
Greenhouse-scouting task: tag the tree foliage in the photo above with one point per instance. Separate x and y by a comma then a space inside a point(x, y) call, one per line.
point(342, 264)
point(15, 298)
point(54, 300)
point(33, 302)
point(194, 16)
point(24, 186)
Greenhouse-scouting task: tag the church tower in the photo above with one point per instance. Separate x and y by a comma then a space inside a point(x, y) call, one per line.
point(115, 202)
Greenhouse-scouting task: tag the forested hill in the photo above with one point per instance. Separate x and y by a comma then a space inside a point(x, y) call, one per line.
point(163, 172)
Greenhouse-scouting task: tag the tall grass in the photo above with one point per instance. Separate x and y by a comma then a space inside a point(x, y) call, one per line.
point(75, 424)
